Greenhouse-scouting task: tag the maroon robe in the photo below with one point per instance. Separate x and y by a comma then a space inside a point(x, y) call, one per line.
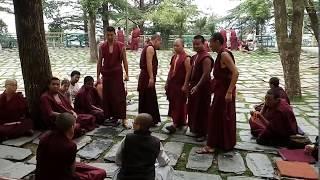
point(87, 97)
point(177, 99)
point(56, 156)
point(222, 121)
point(135, 39)
point(120, 36)
point(233, 40)
point(14, 110)
point(199, 102)
point(282, 124)
point(50, 105)
point(148, 102)
point(224, 34)
point(114, 96)
point(283, 95)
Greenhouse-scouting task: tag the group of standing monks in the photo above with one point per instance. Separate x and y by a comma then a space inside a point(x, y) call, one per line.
point(189, 88)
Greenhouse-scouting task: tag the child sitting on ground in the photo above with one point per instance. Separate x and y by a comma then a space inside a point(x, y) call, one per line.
point(139, 151)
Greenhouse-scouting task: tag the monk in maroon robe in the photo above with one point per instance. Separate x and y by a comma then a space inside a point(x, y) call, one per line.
point(14, 115)
point(135, 38)
point(148, 102)
point(276, 123)
point(177, 86)
point(233, 39)
point(56, 154)
point(120, 35)
point(53, 103)
point(87, 100)
point(223, 32)
point(222, 116)
point(200, 93)
point(112, 55)
point(274, 84)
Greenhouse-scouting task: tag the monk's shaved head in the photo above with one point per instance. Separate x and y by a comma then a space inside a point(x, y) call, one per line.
point(144, 120)
point(155, 36)
point(65, 121)
point(10, 82)
point(179, 41)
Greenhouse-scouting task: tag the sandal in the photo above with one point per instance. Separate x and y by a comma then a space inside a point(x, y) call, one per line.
point(205, 150)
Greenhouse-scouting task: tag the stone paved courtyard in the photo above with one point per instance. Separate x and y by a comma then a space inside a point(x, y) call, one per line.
point(98, 147)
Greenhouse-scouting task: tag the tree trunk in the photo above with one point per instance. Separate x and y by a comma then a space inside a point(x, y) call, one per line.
point(105, 17)
point(85, 28)
point(33, 52)
point(311, 9)
point(289, 45)
point(92, 38)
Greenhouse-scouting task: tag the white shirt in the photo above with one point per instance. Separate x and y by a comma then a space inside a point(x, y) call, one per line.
point(73, 91)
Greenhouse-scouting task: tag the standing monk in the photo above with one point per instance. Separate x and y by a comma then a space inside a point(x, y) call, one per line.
point(135, 38)
point(120, 35)
point(223, 32)
point(233, 39)
point(74, 86)
point(200, 94)
point(14, 116)
point(112, 54)
point(148, 102)
point(53, 103)
point(177, 85)
point(222, 118)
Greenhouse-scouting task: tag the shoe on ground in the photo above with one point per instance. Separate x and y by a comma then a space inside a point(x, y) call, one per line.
point(171, 129)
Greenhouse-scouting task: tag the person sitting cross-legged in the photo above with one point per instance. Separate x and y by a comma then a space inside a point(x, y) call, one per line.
point(56, 154)
point(14, 114)
point(276, 123)
point(52, 103)
point(139, 151)
point(87, 100)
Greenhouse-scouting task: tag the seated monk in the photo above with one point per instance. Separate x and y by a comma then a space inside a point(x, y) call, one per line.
point(14, 116)
point(64, 89)
point(56, 154)
point(274, 84)
point(88, 101)
point(53, 103)
point(139, 151)
point(275, 123)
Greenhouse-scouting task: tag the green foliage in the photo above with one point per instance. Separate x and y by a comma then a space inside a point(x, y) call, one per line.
point(6, 6)
point(172, 15)
point(91, 6)
point(200, 24)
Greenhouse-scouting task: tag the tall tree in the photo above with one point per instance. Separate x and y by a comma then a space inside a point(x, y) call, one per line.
point(91, 7)
point(200, 24)
point(312, 12)
point(33, 52)
point(289, 44)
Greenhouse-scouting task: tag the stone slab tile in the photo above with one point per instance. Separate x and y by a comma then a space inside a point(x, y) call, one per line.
point(5, 163)
point(82, 141)
point(173, 150)
point(231, 162)
point(94, 149)
point(105, 131)
point(14, 153)
point(247, 146)
point(246, 136)
point(185, 139)
point(110, 168)
point(111, 154)
point(260, 165)
point(242, 178)
point(21, 140)
point(201, 162)
point(183, 175)
point(17, 170)
point(245, 126)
